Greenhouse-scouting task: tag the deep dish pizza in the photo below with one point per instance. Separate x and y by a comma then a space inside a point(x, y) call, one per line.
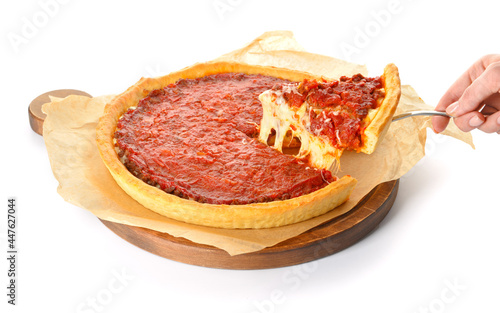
point(187, 146)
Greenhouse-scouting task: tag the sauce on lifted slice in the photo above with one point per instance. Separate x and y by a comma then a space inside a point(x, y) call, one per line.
point(197, 139)
point(337, 109)
point(327, 117)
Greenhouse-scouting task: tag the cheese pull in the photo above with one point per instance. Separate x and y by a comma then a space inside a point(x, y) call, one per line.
point(288, 122)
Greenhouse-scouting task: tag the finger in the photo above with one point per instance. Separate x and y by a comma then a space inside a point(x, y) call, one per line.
point(492, 123)
point(469, 121)
point(486, 85)
point(454, 92)
point(439, 123)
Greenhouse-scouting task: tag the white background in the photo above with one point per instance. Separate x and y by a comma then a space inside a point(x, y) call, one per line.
point(437, 250)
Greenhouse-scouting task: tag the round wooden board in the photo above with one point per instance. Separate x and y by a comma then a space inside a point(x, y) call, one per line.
point(321, 241)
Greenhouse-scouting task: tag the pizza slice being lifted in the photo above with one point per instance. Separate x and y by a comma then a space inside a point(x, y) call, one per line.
point(328, 117)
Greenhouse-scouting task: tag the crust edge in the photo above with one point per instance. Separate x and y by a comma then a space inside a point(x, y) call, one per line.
point(382, 120)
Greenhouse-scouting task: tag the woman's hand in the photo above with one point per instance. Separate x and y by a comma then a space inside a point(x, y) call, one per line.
point(474, 99)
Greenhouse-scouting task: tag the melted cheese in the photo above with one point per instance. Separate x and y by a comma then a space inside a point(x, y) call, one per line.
point(278, 115)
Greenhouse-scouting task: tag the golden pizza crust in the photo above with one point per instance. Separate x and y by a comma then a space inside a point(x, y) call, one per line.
point(379, 124)
point(257, 215)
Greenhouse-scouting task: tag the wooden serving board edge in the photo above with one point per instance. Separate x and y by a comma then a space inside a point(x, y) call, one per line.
point(321, 241)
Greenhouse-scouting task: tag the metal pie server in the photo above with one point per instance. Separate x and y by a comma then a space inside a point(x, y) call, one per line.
point(417, 113)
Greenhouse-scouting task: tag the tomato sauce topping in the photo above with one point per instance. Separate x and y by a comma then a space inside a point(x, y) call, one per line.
point(197, 139)
point(337, 109)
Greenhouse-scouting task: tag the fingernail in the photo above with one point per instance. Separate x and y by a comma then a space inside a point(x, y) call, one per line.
point(452, 108)
point(435, 130)
point(475, 121)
